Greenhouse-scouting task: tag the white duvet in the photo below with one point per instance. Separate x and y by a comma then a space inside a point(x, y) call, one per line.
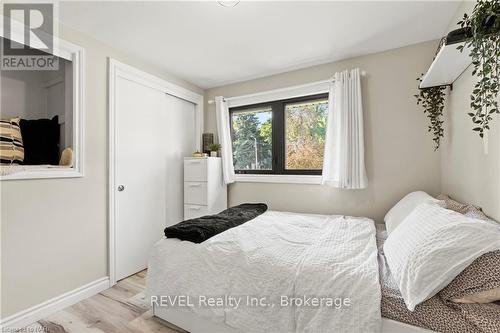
point(290, 273)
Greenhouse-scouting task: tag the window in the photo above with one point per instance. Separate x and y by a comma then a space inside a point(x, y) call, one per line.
point(280, 137)
point(252, 138)
point(49, 104)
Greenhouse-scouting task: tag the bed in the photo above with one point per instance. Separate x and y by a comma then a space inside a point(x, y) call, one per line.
point(275, 255)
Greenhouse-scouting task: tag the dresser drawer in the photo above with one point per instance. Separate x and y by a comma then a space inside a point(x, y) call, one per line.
point(195, 193)
point(194, 211)
point(195, 170)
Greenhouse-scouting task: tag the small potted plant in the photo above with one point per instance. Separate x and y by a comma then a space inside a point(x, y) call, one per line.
point(214, 149)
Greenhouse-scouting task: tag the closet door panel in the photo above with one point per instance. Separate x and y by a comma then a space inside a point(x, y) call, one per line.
point(154, 132)
point(141, 174)
point(180, 129)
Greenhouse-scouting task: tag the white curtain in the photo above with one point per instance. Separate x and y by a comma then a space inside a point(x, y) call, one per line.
point(344, 159)
point(224, 132)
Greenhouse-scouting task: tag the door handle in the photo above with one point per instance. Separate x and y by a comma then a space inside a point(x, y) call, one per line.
point(121, 188)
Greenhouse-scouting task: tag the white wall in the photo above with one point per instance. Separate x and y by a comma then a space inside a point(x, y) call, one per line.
point(54, 231)
point(399, 151)
point(467, 173)
point(23, 94)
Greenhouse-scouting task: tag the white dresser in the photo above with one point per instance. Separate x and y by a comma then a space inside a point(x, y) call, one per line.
point(204, 190)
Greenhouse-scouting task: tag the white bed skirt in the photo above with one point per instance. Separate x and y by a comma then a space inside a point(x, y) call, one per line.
point(192, 323)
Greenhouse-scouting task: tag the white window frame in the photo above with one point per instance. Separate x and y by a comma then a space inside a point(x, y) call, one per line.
point(308, 89)
point(278, 179)
point(75, 54)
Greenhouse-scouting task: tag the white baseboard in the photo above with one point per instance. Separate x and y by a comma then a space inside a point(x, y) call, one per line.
point(42, 310)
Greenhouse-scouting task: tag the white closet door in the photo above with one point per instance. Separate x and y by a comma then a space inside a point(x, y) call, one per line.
point(152, 136)
point(181, 139)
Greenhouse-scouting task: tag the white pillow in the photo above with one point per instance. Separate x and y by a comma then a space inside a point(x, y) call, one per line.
point(403, 208)
point(432, 246)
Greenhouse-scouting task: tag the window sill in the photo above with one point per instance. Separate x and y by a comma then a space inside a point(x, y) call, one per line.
point(41, 173)
point(279, 179)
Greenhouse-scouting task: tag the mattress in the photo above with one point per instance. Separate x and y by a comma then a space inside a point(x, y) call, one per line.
point(313, 273)
point(436, 313)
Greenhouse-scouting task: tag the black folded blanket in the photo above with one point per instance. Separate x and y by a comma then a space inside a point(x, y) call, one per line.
point(202, 228)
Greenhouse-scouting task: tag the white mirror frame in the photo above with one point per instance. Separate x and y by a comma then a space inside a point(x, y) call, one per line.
point(75, 54)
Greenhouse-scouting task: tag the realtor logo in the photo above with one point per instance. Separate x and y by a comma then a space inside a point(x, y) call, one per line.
point(28, 42)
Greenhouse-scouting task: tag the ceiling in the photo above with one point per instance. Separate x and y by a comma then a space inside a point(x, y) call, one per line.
point(210, 45)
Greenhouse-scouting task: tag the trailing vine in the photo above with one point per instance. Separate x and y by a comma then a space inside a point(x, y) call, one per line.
point(432, 100)
point(484, 27)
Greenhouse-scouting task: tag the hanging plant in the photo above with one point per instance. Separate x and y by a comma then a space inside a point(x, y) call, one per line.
point(432, 100)
point(484, 44)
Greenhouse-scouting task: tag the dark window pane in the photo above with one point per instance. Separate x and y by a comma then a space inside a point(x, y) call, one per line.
point(305, 127)
point(252, 139)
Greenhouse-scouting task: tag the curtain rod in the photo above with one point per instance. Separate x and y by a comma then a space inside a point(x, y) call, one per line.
point(211, 101)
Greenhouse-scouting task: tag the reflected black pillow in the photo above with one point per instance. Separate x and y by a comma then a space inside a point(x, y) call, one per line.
point(41, 141)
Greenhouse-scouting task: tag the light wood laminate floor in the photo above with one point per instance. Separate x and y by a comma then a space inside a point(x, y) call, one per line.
point(120, 309)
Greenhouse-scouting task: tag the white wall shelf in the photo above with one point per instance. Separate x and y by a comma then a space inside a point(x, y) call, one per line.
point(447, 66)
